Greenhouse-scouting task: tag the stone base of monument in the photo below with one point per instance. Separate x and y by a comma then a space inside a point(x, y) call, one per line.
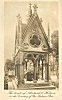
point(32, 85)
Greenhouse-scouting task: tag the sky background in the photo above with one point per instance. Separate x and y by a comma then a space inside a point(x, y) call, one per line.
point(48, 11)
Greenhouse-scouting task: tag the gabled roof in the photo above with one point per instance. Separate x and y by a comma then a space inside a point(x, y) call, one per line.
point(30, 21)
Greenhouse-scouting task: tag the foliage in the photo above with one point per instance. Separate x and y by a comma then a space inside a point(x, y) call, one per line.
point(55, 49)
point(9, 65)
point(54, 41)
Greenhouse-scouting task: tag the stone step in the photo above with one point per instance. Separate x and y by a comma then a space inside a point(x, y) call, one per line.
point(44, 87)
point(29, 86)
point(37, 84)
point(37, 88)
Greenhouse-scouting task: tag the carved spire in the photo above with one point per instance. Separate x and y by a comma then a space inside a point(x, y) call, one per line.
point(35, 9)
point(48, 34)
point(16, 39)
point(18, 22)
point(30, 10)
point(18, 31)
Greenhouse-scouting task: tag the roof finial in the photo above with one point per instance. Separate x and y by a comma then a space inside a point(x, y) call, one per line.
point(19, 18)
point(30, 5)
point(35, 8)
point(30, 10)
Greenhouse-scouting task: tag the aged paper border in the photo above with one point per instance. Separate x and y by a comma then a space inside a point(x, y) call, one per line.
point(4, 93)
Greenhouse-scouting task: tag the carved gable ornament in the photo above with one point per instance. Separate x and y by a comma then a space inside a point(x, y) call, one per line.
point(35, 40)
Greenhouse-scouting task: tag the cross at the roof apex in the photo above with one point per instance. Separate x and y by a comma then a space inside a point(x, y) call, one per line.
point(35, 8)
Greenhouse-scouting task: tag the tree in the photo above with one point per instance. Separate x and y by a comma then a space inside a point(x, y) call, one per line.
point(9, 64)
point(54, 41)
point(55, 46)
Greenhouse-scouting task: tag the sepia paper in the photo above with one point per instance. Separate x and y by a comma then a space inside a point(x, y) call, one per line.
point(49, 13)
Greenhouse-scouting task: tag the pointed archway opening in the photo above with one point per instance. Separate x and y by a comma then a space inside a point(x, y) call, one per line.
point(35, 67)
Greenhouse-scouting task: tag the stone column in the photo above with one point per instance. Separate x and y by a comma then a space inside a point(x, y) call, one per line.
point(21, 67)
point(46, 71)
point(37, 70)
point(26, 65)
point(35, 66)
point(15, 70)
point(21, 73)
point(42, 69)
point(48, 74)
point(47, 68)
point(18, 73)
point(38, 67)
